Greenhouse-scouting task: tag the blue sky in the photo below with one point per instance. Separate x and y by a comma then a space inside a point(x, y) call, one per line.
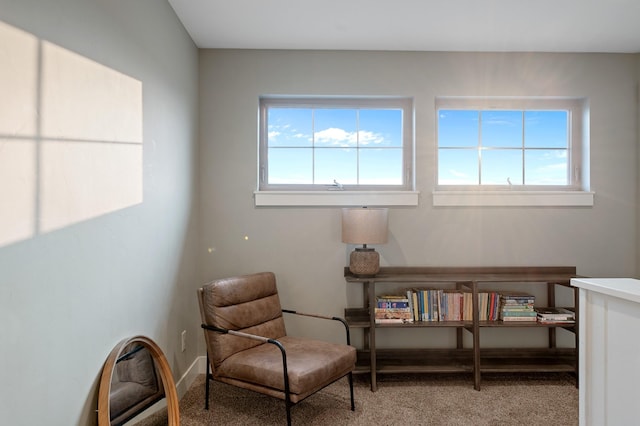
point(500, 147)
point(352, 146)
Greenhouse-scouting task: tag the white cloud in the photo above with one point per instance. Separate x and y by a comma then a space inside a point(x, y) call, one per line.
point(273, 134)
point(339, 137)
point(367, 138)
point(336, 137)
point(457, 173)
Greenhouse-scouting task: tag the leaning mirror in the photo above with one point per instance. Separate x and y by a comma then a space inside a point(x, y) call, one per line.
point(135, 376)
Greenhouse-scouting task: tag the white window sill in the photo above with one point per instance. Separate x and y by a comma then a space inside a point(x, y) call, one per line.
point(514, 198)
point(335, 198)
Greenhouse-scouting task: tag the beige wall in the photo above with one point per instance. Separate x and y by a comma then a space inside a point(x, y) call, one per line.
point(98, 140)
point(302, 245)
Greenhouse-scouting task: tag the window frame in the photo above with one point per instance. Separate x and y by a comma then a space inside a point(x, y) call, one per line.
point(576, 108)
point(577, 194)
point(355, 102)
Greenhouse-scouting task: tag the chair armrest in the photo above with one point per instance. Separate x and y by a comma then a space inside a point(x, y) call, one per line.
point(264, 340)
point(239, 334)
point(342, 320)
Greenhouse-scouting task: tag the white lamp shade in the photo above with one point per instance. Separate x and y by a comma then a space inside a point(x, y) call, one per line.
point(364, 226)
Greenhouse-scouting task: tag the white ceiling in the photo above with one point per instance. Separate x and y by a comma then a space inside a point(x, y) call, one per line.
point(424, 25)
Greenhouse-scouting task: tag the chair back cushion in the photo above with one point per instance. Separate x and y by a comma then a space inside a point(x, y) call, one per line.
point(247, 303)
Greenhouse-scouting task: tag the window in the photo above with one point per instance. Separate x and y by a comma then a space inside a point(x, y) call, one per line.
point(536, 145)
point(525, 144)
point(336, 144)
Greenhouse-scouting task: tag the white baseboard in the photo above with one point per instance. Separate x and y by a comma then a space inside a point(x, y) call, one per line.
point(199, 366)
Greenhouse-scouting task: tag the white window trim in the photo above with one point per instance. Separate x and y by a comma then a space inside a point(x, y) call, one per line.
point(577, 195)
point(509, 198)
point(335, 198)
point(301, 195)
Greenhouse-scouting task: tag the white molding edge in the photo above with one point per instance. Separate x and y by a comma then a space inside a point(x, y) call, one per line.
point(513, 198)
point(622, 288)
point(335, 198)
point(197, 367)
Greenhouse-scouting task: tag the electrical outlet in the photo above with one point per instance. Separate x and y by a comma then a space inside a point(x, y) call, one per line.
point(184, 340)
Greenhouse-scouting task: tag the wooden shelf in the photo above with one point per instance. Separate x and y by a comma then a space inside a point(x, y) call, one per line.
point(359, 318)
point(542, 360)
point(475, 360)
point(521, 324)
point(455, 324)
point(460, 360)
point(417, 361)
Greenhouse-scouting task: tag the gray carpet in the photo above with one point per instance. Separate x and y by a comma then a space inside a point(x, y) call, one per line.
point(443, 400)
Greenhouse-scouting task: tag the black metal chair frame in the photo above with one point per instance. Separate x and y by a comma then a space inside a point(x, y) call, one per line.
point(288, 403)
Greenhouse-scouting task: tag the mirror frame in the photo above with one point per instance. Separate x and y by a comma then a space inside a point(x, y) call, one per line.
point(104, 391)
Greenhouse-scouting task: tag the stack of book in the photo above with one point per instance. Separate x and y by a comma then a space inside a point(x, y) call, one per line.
point(425, 304)
point(418, 305)
point(393, 309)
point(440, 305)
point(517, 307)
point(451, 306)
point(488, 306)
point(556, 316)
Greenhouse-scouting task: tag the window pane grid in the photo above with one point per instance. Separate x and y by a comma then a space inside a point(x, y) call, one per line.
point(341, 149)
point(500, 135)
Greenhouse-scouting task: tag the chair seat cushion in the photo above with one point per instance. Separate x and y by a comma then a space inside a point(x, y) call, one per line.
point(310, 363)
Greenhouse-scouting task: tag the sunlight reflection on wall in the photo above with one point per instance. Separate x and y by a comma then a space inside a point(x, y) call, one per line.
point(70, 137)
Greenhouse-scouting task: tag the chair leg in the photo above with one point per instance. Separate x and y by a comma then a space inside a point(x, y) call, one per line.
point(207, 377)
point(353, 404)
point(288, 404)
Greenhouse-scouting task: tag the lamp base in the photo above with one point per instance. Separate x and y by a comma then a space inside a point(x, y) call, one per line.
point(364, 262)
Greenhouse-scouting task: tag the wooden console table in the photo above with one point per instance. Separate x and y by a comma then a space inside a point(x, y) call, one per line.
point(475, 359)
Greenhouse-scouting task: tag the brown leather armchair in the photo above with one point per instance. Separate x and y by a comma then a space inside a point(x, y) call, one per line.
point(248, 346)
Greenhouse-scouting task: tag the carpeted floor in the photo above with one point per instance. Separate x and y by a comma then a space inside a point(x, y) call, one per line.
point(443, 400)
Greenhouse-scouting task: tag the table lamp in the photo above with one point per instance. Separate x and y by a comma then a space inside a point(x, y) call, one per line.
point(364, 226)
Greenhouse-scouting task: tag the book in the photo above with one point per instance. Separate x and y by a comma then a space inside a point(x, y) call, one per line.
point(417, 310)
point(556, 321)
point(468, 306)
point(553, 312)
point(519, 314)
point(516, 301)
point(516, 295)
point(392, 297)
point(392, 321)
point(517, 308)
point(482, 306)
point(390, 313)
point(386, 303)
point(509, 319)
point(543, 319)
